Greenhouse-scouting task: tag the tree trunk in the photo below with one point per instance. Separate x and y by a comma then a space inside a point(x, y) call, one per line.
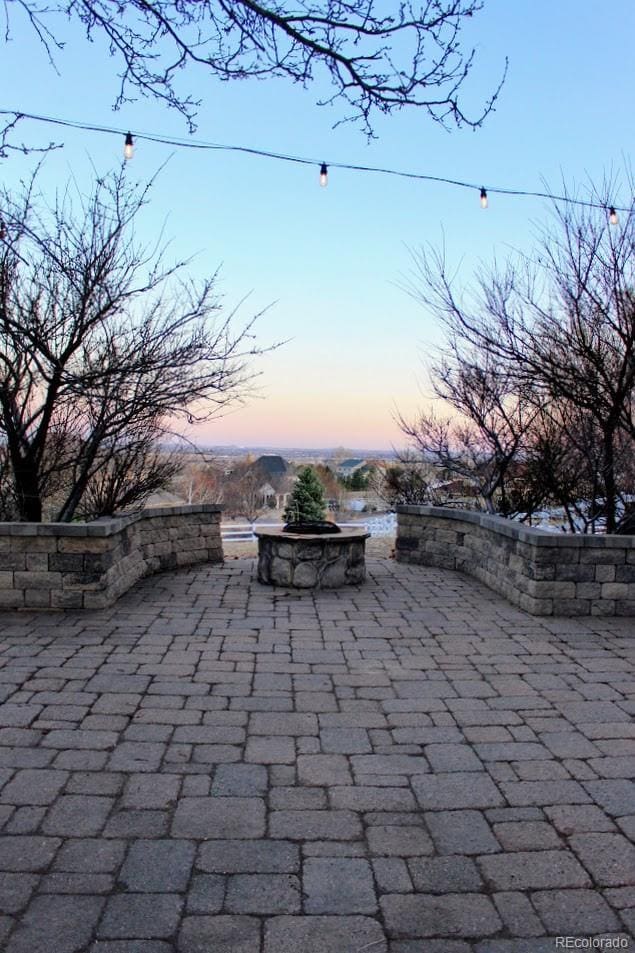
point(610, 488)
point(28, 493)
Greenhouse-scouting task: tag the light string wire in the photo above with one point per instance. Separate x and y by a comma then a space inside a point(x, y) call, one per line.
point(304, 160)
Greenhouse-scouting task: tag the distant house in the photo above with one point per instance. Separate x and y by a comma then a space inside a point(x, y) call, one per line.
point(348, 467)
point(271, 465)
point(276, 476)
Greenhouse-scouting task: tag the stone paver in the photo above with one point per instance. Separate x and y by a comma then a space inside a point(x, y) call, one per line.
point(412, 766)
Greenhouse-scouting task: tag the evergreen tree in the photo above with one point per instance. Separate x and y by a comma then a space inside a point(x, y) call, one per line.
point(306, 504)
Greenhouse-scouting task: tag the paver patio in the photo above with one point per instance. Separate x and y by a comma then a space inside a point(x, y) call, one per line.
point(414, 766)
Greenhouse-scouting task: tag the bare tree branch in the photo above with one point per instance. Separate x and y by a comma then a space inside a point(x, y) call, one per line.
point(376, 62)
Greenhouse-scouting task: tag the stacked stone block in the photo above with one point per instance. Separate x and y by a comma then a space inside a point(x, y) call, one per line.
point(544, 573)
point(89, 565)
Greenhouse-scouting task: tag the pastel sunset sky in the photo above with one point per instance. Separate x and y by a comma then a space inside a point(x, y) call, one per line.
point(331, 262)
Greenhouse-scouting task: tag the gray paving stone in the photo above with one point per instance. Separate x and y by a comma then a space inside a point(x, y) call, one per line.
point(137, 824)
point(463, 915)
point(263, 893)
point(388, 764)
point(517, 914)
point(345, 741)
point(358, 798)
point(151, 791)
point(77, 883)
point(62, 924)
point(270, 750)
point(221, 817)
point(315, 825)
point(92, 855)
point(33, 786)
point(28, 853)
point(157, 866)
point(141, 916)
point(338, 885)
point(402, 841)
point(452, 757)
point(569, 744)
point(574, 912)
point(324, 769)
point(260, 856)
point(206, 894)
point(25, 820)
point(322, 934)
point(609, 858)
point(577, 818)
point(77, 815)
point(136, 756)
point(527, 835)
point(16, 891)
point(533, 870)
point(444, 874)
point(297, 799)
point(544, 792)
point(239, 780)
point(432, 946)
point(220, 934)
point(616, 797)
point(461, 832)
point(454, 791)
point(131, 946)
point(391, 874)
point(274, 723)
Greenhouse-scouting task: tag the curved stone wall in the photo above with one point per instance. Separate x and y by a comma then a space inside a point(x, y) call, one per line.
point(311, 561)
point(89, 565)
point(543, 573)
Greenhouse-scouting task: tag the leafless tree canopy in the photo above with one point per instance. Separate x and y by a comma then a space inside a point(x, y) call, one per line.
point(376, 61)
point(555, 334)
point(104, 350)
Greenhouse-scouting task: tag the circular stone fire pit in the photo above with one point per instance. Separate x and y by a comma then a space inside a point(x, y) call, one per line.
point(308, 561)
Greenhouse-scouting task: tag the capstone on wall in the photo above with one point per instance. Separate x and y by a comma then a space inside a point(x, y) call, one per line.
point(89, 565)
point(544, 573)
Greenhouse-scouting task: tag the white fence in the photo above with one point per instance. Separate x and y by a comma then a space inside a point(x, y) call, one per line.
point(376, 525)
point(244, 532)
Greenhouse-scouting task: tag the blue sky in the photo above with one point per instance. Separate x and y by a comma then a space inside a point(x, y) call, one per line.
point(332, 259)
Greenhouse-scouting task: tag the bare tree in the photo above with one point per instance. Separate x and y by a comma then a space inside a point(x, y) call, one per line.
point(377, 61)
point(241, 491)
point(104, 351)
point(491, 419)
point(561, 321)
point(406, 481)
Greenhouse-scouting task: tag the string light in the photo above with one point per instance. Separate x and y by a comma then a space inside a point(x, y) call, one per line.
point(302, 160)
point(324, 175)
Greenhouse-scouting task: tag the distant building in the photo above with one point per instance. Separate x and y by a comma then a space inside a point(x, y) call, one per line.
point(277, 479)
point(348, 467)
point(271, 465)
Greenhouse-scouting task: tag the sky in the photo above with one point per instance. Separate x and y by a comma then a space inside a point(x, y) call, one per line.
point(329, 265)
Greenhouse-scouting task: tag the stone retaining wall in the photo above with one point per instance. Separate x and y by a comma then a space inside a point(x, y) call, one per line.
point(543, 573)
point(89, 565)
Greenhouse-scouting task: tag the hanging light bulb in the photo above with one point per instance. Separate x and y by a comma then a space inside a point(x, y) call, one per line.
point(613, 216)
point(484, 202)
point(324, 175)
point(128, 149)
